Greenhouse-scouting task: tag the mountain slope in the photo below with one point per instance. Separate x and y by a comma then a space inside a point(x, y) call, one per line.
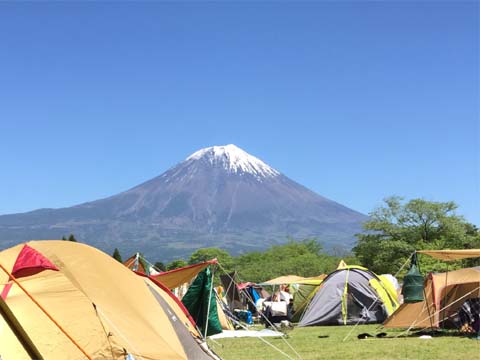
point(219, 196)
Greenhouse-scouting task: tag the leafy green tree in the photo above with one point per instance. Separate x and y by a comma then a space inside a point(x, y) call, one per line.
point(474, 233)
point(64, 238)
point(116, 255)
point(206, 254)
point(398, 228)
point(160, 266)
point(175, 264)
point(72, 238)
point(303, 258)
point(225, 261)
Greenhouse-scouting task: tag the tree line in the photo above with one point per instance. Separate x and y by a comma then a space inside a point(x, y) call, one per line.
point(393, 232)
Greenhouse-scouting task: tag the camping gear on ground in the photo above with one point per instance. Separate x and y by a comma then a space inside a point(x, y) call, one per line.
point(276, 310)
point(250, 294)
point(89, 306)
point(468, 317)
point(244, 296)
point(244, 315)
point(351, 295)
point(301, 288)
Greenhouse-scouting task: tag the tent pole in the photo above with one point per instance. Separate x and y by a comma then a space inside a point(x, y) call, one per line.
point(45, 312)
point(445, 287)
point(425, 297)
point(344, 300)
point(428, 308)
point(19, 331)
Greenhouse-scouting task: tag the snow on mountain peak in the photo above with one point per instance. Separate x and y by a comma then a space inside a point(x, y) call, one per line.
point(235, 160)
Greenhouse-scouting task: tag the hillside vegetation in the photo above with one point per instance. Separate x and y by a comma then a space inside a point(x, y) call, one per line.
point(390, 236)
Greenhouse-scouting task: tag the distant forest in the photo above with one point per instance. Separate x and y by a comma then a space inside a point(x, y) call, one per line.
point(394, 231)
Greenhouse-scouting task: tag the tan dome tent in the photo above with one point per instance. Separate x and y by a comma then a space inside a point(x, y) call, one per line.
point(65, 300)
point(444, 294)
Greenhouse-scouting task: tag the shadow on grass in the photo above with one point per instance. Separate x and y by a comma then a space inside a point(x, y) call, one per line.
point(424, 334)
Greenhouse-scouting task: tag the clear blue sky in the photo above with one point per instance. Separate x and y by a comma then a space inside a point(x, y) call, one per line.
point(355, 100)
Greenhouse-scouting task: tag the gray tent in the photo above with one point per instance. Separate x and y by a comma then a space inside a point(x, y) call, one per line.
point(350, 295)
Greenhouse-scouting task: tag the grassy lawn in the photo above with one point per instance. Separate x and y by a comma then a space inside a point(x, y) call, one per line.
point(312, 343)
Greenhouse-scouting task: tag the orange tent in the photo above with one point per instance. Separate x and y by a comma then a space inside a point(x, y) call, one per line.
point(444, 295)
point(67, 300)
point(174, 278)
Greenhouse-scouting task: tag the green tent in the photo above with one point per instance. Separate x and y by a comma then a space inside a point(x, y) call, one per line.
point(201, 303)
point(301, 298)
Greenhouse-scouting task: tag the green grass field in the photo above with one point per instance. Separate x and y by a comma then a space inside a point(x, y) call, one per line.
point(325, 342)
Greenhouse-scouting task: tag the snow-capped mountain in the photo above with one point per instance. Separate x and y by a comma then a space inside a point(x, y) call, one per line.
point(219, 196)
point(234, 159)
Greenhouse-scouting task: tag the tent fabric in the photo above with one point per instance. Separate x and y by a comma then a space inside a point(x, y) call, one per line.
point(173, 301)
point(451, 255)
point(14, 334)
point(444, 294)
point(386, 285)
point(315, 280)
point(15, 348)
point(347, 297)
point(225, 322)
point(254, 294)
point(343, 265)
point(29, 260)
point(301, 299)
point(294, 279)
point(189, 344)
point(385, 295)
point(287, 279)
point(6, 290)
point(174, 278)
point(137, 264)
point(106, 308)
point(200, 301)
point(390, 282)
point(232, 292)
point(244, 285)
